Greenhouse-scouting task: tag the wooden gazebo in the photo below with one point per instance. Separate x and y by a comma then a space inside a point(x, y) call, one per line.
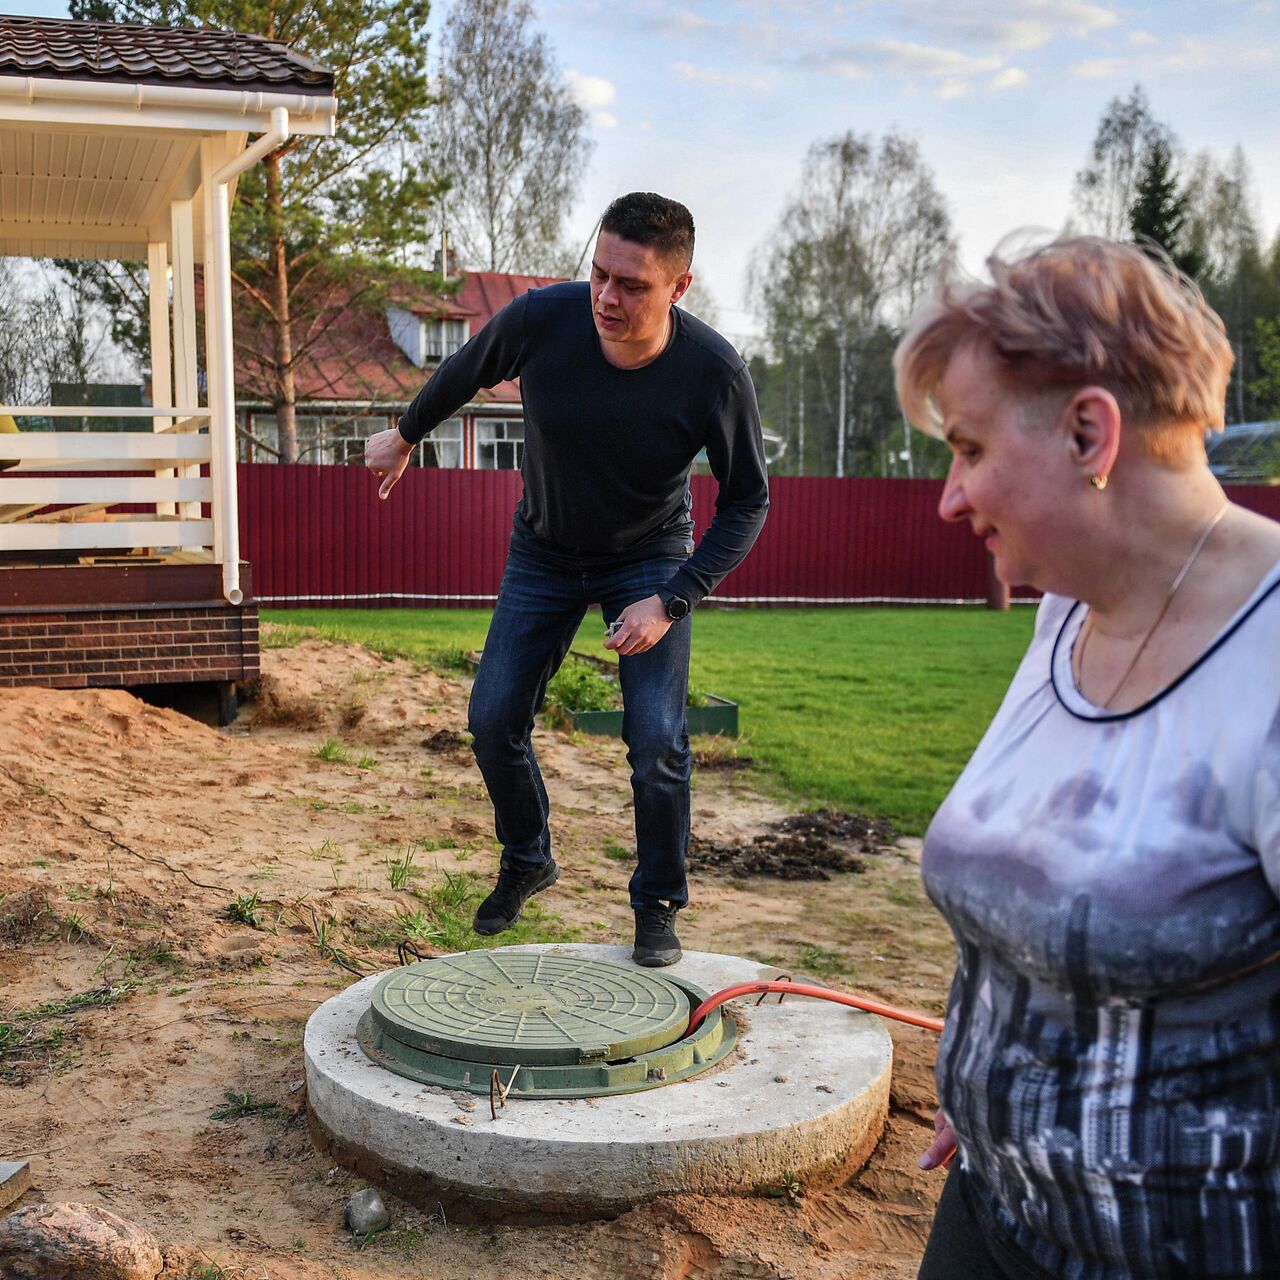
point(119, 550)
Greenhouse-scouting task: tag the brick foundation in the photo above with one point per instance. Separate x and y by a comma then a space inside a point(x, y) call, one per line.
point(97, 639)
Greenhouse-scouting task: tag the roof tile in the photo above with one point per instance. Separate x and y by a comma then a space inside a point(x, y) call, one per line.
point(192, 57)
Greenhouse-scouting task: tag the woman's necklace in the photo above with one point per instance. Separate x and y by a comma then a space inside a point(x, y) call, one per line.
point(1087, 629)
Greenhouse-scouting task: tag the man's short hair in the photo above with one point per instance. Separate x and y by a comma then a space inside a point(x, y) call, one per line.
point(645, 218)
point(1075, 312)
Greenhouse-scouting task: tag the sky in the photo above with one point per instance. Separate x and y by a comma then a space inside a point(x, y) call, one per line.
point(715, 102)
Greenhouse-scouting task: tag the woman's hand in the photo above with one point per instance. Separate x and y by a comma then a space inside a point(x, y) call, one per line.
point(943, 1149)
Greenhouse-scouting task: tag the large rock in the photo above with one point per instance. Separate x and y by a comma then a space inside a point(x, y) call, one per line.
point(63, 1241)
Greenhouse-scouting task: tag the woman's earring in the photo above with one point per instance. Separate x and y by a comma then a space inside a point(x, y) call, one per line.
point(1098, 482)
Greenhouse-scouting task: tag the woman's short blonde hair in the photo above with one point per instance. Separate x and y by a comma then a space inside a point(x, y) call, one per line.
point(1078, 312)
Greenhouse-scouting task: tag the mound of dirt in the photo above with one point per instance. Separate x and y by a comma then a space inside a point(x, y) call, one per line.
point(21, 913)
point(801, 846)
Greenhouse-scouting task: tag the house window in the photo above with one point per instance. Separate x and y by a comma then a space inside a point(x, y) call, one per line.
point(442, 448)
point(321, 439)
point(444, 337)
point(499, 444)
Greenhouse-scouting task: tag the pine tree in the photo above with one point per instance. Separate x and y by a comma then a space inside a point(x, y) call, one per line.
point(322, 223)
point(1158, 214)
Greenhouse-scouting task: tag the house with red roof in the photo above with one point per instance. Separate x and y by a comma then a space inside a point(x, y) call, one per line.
point(361, 373)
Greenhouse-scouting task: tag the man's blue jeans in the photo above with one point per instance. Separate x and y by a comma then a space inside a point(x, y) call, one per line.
point(540, 607)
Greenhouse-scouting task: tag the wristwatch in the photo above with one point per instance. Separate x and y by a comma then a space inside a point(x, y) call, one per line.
point(677, 606)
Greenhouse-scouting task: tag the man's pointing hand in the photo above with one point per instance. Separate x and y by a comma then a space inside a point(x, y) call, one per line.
point(386, 455)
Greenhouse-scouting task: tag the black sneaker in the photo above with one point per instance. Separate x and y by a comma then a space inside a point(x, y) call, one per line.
point(656, 943)
point(516, 885)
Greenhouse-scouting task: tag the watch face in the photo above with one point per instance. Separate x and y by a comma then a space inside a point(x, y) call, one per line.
point(677, 608)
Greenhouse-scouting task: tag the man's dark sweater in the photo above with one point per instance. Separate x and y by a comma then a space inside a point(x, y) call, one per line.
point(607, 451)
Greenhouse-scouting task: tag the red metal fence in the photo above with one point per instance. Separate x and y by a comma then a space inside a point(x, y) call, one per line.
point(317, 535)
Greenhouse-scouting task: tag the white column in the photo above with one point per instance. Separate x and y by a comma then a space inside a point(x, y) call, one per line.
point(210, 162)
point(161, 368)
point(185, 386)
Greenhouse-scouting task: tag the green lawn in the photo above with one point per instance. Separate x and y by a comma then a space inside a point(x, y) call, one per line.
point(874, 710)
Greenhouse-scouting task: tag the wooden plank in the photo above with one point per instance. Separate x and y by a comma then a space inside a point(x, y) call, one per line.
point(10, 515)
point(104, 489)
point(105, 447)
point(120, 533)
point(100, 411)
point(68, 514)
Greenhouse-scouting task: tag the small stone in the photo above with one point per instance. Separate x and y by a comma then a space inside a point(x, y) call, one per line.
point(65, 1241)
point(825, 1088)
point(462, 1119)
point(365, 1212)
point(779, 1079)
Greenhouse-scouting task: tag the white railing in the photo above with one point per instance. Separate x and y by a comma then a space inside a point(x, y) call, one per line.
point(172, 455)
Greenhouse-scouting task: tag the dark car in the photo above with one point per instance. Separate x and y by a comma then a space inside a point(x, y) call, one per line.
point(1248, 453)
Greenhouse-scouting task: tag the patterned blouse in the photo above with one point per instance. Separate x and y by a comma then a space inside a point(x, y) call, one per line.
point(1111, 1060)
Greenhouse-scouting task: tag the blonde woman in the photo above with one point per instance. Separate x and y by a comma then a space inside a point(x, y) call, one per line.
point(1109, 860)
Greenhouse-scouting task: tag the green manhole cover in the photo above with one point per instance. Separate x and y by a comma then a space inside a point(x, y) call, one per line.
point(552, 1026)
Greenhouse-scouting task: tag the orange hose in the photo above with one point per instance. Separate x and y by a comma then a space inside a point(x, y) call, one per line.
point(820, 993)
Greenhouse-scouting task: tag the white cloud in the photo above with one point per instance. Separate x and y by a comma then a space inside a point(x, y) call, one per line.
point(902, 56)
point(605, 119)
point(719, 79)
point(1142, 38)
point(953, 88)
point(1095, 68)
point(931, 60)
point(591, 92)
point(1009, 78)
point(1010, 26)
point(1200, 53)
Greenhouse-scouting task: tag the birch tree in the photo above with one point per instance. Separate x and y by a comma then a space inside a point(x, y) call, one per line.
point(851, 254)
point(1106, 186)
point(509, 137)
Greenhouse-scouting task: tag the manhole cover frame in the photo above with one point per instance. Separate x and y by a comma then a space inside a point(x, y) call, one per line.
point(593, 1074)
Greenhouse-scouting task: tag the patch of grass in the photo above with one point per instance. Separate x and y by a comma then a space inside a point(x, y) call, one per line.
point(246, 909)
point(578, 686)
point(821, 961)
point(618, 852)
point(367, 760)
point(284, 635)
point(158, 952)
point(238, 1105)
point(401, 870)
point(108, 890)
point(443, 921)
point(332, 750)
point(73, 927)
point(98, 998)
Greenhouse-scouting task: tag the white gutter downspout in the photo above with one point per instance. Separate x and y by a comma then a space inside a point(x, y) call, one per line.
point(223, 430)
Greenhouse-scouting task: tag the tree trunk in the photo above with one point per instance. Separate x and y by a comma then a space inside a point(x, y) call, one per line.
point(285, 398)
point(800, 421)
point(843, 407)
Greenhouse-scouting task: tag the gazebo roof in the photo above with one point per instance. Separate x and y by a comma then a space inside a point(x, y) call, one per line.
point(102, 124)
point(202, 57)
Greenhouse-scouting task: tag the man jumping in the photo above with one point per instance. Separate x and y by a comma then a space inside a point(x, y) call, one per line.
point(621, 391)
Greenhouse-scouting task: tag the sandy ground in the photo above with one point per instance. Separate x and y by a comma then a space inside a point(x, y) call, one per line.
point(130, 1005)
